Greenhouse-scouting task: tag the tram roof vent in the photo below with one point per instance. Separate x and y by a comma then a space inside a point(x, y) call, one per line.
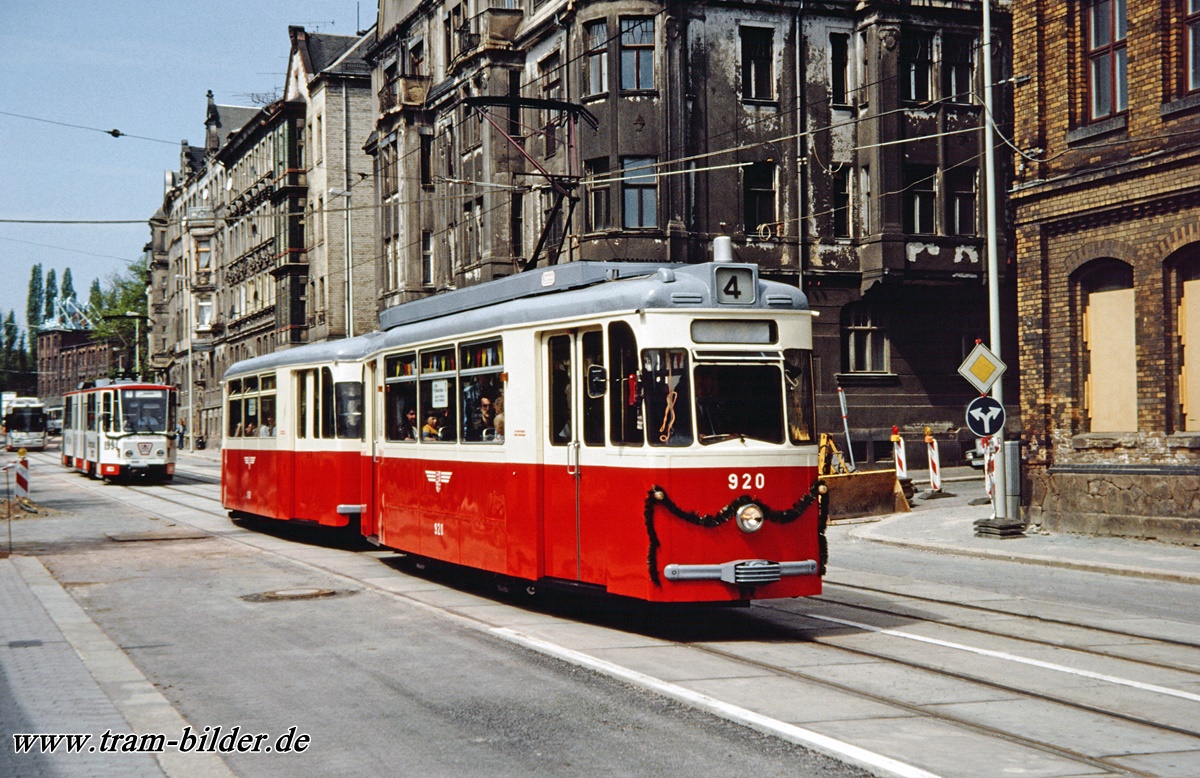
point(722, 249)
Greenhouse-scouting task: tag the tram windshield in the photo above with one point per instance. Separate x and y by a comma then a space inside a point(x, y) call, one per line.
point(739, 401)
point(27, 419)
point(146, 410)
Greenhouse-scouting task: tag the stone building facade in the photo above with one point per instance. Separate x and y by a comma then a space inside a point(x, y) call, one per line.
point(259, 233)
point(1107, 208)
point(837, 143)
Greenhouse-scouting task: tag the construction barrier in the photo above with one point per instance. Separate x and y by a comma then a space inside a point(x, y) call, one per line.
point(23, 479)
point(898, 454)
point(935, 468)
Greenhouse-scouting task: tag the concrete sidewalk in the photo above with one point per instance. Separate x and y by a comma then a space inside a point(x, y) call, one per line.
point(946, 525)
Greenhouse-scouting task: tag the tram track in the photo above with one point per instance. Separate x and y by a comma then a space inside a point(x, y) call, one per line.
point(1002, 613)
point(780, 622)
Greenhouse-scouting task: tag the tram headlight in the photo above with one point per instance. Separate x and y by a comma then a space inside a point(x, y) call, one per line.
point(750, 518)
point(129, 453)
point(158, 453)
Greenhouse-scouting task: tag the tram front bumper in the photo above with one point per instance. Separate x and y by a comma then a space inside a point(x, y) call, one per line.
point(744, 572)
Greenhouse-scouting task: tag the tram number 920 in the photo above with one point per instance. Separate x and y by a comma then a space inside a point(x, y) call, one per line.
point(747, 480)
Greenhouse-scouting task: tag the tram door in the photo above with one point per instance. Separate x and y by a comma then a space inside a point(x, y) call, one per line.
point(570, 549)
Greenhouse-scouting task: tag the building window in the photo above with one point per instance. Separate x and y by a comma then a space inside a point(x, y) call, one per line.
point(757, 53)
point(595, 38)
point(919, 199)
point(960, 202)
point(639, 193)
point(759, 185)
point(1109, 345)
point(958, 65)
point(916, 66)
point(864, 200)
point(426, 162)
point(550, 71)
point(865, 339)
point(1187, 330)
point(426, 258)
point(637, 53)
point(516, 224)
point(841, 203)
point(598, 214)
point(839, 64)
point(1191, 46)
point(1105, 25)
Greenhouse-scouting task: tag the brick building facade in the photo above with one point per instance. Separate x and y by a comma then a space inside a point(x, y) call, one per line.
point(1107, 214)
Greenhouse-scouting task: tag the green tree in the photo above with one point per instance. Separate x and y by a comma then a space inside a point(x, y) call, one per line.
point(33, 306)
point(96, 295)
point(51, 295)
point(8, 352)
point(68, 286)
point(125, 293)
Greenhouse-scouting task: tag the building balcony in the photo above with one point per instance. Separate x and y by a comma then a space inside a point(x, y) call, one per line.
point(493, 28)
point(404, 92)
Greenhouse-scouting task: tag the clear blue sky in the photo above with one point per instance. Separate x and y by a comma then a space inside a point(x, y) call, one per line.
point(138, 66)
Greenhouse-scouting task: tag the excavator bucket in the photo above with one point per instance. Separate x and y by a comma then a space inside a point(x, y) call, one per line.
point(864, 493)
point(859, 493)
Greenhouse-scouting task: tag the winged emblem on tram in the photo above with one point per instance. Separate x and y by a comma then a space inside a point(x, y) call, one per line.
point(438, 477)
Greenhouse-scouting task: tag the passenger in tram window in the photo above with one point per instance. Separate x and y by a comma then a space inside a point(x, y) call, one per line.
point(446, 428)
point(408, 426)
point(430, 430)
point(267, 430)
point(498, 408)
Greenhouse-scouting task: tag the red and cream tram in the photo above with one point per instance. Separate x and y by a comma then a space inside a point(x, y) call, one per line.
point(643, 430)
point(120, 429)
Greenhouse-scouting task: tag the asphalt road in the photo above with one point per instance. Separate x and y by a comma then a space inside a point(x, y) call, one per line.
point(380, 685)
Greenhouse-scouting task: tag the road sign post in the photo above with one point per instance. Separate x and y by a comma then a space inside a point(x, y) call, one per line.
point(985, 418)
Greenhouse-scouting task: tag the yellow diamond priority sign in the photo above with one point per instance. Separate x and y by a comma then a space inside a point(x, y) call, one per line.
point(982, 368)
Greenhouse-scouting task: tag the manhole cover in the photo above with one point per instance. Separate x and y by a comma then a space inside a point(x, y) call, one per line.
point(300, 593)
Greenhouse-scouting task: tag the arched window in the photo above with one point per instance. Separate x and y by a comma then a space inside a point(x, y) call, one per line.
point(1109, 323)
point(1187, 335)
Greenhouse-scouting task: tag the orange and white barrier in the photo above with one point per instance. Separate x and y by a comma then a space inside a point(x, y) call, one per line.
point(898, 454)
point(935, 467)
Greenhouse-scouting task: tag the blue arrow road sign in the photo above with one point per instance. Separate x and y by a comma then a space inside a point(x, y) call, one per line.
point(985, 416)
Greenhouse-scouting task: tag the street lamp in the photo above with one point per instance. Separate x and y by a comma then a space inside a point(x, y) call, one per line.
point(348, 247)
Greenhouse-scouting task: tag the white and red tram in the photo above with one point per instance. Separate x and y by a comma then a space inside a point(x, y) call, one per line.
point(120, 429)
point(647, 431)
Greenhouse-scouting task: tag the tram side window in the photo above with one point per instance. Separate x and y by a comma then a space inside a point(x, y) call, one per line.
point(400, 398)
point(481, 366)
point(350, 410)
point(326, 413)
point(266, 427)
point(107, 414)
point(266, 405)
point(67, 406)
point(593, 407)
point(234, 415)
point(668, 398)
point(801, 414)
point(91, 413)
point(559, 402)
point(302, 404)
point(438, 390)
point(624, 393)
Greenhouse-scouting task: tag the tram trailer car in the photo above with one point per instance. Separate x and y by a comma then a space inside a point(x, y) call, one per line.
point(25, 424)
point(120, 429)
point(641, 430)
